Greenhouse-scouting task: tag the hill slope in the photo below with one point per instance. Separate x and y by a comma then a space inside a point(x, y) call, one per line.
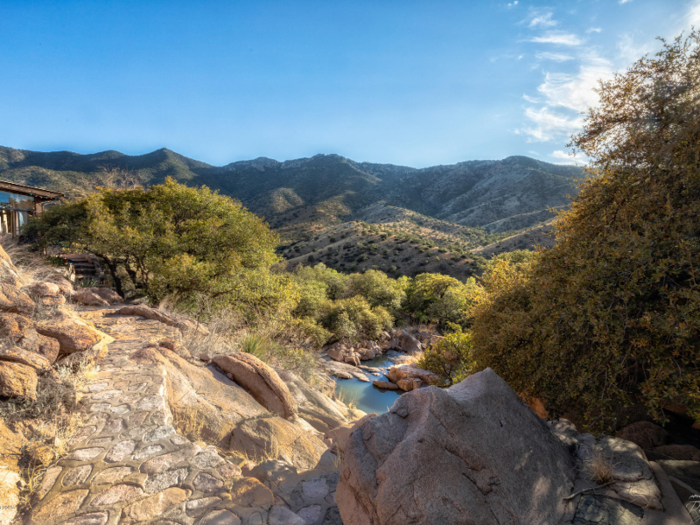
point(468, 201)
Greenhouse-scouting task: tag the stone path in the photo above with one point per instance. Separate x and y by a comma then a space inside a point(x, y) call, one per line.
point(129, 465)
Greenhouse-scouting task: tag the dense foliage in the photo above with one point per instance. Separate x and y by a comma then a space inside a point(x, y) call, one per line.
point(450, 357)
point(610, 316)
point(361, 305)
point(173, 241)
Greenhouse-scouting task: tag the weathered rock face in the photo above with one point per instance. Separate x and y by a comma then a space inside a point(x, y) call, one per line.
point(88, 298)
point(150, 313)
point(17, 380)
point(11, 446)
point(21, 332)
point(73, 334)
point(18, 355)
point(47, 294)
point(14, 300)
point(477, 445)
point(317, 409)
point(203, 394)
point(338, 437)
point(261, 381)
point(276, 438)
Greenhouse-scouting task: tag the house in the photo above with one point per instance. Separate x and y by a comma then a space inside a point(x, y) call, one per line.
point(18, 203)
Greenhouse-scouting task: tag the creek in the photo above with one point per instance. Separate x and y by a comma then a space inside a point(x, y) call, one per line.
point(366, 396)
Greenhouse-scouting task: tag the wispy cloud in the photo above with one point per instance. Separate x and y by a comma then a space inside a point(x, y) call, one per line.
point(558, 37)
point(576, 91)
point(542, 20)
point(563, 97)
point(557, 57)
point(548, 125)
point(513, 4)
point(567, 91)
point(565, 157)
point(623, 1)
point(693, 17)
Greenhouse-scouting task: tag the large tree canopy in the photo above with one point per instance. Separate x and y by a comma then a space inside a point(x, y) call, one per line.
point(173, 241)
point(611, 315)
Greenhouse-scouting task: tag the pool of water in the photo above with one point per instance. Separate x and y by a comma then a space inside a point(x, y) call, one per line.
point(366, 396)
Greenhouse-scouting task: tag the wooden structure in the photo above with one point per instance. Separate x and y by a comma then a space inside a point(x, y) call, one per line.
point(18, 203)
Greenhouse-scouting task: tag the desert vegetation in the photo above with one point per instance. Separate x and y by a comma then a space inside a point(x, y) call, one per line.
point(606, 318)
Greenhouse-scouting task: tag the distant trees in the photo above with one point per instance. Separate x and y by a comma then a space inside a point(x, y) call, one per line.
point(610, 316)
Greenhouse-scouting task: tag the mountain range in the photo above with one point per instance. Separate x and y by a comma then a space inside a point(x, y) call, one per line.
point(477, 201)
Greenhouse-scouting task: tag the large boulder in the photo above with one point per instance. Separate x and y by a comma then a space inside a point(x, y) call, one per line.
point(201, 397)
point(47, 294)
point(261, 381)
point(88, 298)
point(271, 437)
point(411, 372)
point(409, 344)
point(24, 357)
point(17, 380)
point(13, 299)
point(20, 331)
point(645, 434)
point(73, 334)
point(107, 294)
point(316, 408)
point(471, 454)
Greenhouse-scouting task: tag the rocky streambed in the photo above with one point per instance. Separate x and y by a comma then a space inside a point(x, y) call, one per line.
point(373, 374)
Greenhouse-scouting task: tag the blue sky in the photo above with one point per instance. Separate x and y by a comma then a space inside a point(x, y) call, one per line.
point(405, 82)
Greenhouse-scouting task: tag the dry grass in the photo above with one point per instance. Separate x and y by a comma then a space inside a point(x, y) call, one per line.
point(32, 266)
point(599, 467)
point(188, 423)
point(55, 417)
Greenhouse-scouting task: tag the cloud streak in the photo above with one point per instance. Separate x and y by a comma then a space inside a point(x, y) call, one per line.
point(558, 37)
point(544, 20)
point(557, 57)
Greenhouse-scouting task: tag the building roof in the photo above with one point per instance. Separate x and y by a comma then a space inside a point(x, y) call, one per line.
point(29, 190)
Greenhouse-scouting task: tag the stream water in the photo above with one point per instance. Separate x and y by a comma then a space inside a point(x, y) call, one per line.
point(366, 396)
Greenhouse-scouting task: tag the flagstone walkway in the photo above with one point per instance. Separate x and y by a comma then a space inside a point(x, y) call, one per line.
point(129, 465)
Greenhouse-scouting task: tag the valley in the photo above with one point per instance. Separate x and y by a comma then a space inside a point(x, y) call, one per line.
point(349, 215)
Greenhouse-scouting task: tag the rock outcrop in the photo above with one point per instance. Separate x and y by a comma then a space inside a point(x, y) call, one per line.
point(261, 381)
point(272, 437)
point(17, 380)
point(72, 333)
point(46, 294)
point(20, 331)
point(409, 377)
point(151, 313)
point(476, 445)
point(11, 444)
point(202, 395)
point(317, 409)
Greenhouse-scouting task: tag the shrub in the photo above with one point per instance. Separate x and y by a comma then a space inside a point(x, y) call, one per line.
point(353, 319)
point(171, 240)
point(609, 316)
point(377, 288)
point(450, 357)
point(440, 299)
